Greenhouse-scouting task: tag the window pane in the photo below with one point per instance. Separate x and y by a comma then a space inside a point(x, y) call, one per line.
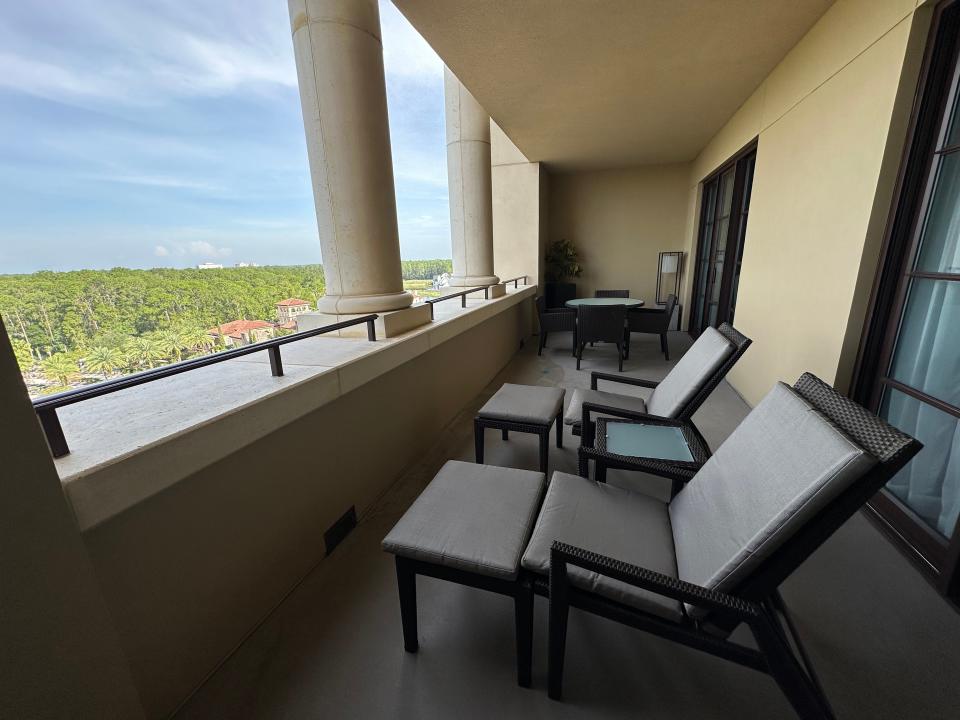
point(940, 242)
point(953, 134)
point(930, 483)
point(927, 353)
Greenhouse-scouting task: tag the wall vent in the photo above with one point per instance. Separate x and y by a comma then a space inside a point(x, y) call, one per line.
point(340, 529)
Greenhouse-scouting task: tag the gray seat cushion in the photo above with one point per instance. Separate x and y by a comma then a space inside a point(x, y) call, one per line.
point(471, 517)
point(781, 466)
point(533, 404)
point(574, 413)
point(690, 374)
point(627, 526)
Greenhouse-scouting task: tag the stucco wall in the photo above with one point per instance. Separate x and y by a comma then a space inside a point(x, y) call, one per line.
point(60, 656)
point(830, 120)
point(188, 572)
point(619, 221)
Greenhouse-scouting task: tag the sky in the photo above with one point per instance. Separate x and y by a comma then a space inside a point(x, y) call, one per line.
point(165, 133)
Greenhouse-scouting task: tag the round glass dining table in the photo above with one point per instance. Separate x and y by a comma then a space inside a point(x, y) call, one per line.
point(629, 302)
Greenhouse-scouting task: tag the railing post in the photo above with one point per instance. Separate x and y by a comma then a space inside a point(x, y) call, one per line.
point(372, 328)
point(486, 293)
point(54, 432)
point(276, 365)
point(463, 300)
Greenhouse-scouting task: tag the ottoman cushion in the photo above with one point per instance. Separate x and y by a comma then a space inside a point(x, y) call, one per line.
point(471, 517)
point(533, 404)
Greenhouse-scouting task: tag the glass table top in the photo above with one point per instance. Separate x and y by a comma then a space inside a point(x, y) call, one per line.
point(661, 442)
point(629, 302)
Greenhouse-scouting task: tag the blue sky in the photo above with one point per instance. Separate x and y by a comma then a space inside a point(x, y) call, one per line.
point(168, 133)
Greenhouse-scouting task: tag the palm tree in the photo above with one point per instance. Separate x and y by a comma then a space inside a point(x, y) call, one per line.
point(104, 360)
point(143, 351)
point(61, 367)
point(170, 343)
point(196, 340)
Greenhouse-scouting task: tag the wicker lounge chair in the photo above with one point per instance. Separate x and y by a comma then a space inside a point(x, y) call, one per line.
point(712, 559)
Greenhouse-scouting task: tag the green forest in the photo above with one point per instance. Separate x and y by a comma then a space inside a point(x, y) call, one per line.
point(86, 325)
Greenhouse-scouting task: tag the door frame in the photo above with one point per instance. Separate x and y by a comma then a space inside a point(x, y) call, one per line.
point(938, 558)
point(733, 230)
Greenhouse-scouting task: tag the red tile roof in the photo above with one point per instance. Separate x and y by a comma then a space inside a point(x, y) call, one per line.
point(291, 301)
point(235, 327)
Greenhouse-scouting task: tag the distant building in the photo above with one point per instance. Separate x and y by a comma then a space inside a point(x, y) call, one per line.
point(287, 310)
point(242, 332)
point(246, 264)
point(209, 266)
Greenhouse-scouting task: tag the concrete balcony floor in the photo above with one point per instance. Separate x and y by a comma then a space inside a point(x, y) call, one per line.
point(885, 645)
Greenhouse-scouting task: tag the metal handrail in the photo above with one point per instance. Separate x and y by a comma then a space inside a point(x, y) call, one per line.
point(46, 407)
point(463, 293)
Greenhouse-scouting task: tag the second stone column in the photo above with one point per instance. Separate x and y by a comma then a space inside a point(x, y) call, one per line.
point(468, 172)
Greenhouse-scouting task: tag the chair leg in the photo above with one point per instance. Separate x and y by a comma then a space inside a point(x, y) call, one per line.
point(579, 354)
point(573, 343)
point(407, 585)
point(544, 448)
point(626, 345)
point(583, 465)
point(542, 344)
point(478, 441)
point(557, 634)
point(505, 434)
point(523, 614)
point(620, 355)
point(807, 701)
point(664, 346)
point(559, 422)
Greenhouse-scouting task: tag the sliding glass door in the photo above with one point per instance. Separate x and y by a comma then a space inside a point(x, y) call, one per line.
point(911, 366)
point(725, 204)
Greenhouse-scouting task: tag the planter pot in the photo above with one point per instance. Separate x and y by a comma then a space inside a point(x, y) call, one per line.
point(557, 293)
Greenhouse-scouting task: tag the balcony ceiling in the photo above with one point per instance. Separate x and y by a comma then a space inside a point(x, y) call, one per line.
point(606, 84)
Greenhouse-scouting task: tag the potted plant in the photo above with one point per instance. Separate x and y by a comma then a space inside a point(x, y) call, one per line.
point(561, 265)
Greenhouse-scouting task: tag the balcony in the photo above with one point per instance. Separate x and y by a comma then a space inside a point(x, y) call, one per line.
point(334, 647)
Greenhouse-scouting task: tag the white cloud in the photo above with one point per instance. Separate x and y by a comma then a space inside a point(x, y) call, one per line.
point(202, 248)
point(405, 52)
point(161, 251)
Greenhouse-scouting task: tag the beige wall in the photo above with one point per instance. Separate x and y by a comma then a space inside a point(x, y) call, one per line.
point(60, 656)
point(188, 572)
point(519, 207)
point(619, 221)
point(830, 120)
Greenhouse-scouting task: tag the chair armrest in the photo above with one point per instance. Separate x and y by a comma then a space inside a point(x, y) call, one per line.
point(589, 407)
point(562, 554)
point(640, 382)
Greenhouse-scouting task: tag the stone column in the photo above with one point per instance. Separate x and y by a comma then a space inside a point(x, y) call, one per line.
point(468, 172)
point(339, 59)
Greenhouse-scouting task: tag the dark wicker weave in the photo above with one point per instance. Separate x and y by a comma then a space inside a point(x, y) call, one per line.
point(655, 321)
point(678, 471)
point(756, 602)
point(556, 320)
point(740, 344)
point(612, 293)
point(601, 323)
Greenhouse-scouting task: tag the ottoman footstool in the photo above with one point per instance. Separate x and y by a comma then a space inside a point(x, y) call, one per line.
point(522, 408)
point(470, 526)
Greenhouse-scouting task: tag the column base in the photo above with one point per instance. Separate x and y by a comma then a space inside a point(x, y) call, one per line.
point(364, 304)
point(389, 324)
point(462, 281)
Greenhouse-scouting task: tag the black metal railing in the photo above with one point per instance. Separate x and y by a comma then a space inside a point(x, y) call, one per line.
point(46, 407)
point(468, 291)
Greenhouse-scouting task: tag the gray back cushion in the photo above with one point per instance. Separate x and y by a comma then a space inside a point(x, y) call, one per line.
point(689, 374)
point(779, 468)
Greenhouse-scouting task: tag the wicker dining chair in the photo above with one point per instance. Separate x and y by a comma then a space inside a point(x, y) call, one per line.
point(612, 293)
point(601, 323)
point(655, 321)
point(555, 320)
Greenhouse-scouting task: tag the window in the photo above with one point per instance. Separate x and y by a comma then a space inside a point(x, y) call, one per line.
point(910, 360)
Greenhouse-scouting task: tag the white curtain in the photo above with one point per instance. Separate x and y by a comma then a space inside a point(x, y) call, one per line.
point(928, 359)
